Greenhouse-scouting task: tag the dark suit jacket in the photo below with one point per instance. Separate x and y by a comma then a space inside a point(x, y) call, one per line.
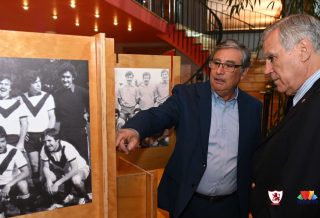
point(189, 110)
point(288, 160)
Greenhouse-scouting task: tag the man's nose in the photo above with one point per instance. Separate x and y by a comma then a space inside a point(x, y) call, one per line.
point(220, 69)
point(268, 68)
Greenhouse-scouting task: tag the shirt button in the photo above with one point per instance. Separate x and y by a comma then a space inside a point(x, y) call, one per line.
point(253, 185)
point(204, 164)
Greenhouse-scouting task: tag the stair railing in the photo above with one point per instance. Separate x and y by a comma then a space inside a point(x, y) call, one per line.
point(250, 22)
point(209, 22)
point(201, 74)
point(199, 23)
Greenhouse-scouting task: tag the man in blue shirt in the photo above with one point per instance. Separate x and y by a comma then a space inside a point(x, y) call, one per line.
point(217, 127)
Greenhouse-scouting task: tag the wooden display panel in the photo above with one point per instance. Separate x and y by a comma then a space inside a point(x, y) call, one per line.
point(153, 157)
point(136, 191)
point(98, 51)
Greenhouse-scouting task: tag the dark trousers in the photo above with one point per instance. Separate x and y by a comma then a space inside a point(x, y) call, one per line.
point(198, 207)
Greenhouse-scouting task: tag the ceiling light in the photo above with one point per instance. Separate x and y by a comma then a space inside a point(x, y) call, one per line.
point(77, 23)
point(25, 5)
point(115, 21)
point(97, 14)
point(72, 3)
point(96, 29)
point(129, 27)
point(54, 14)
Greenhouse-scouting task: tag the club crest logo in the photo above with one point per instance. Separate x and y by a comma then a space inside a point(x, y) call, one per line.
point(275, 197)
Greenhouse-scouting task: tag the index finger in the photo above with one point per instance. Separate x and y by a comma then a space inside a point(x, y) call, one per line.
point(122, 146)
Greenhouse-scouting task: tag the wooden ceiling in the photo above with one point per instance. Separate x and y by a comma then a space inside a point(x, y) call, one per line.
point(90, 14)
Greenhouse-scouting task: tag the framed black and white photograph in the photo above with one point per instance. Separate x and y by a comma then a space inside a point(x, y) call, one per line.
point(93, 191)
point(149, 157)
point(45, 150)
point(138, 89)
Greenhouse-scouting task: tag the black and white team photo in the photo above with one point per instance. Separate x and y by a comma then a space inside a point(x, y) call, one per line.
point(45, 159)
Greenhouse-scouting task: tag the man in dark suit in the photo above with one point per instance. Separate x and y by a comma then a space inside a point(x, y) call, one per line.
point(286, 182)
point(217, 127)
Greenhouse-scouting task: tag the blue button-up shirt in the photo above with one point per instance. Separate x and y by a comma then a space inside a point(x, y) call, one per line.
point(220, 176)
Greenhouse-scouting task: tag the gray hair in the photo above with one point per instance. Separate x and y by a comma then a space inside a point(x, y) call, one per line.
point(230, 43)
point(294, 28)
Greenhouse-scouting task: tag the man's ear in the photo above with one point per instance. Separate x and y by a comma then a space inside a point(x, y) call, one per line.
point(304, 49)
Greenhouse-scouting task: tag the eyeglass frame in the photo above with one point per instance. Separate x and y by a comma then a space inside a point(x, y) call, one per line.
point(216, 64)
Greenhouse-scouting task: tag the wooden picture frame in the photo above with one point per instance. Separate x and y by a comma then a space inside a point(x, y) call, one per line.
point(153, 157)
point(99, 53)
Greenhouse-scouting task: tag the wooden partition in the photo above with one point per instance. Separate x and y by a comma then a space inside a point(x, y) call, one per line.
point(98, 52)
point(138, 173)
point(136, 191)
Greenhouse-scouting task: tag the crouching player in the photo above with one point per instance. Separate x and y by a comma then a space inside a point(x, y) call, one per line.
point(62, 165)
point(13, 174)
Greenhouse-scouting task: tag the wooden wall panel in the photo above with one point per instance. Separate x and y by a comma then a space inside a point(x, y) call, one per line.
point(132, 190)
point(132, 195)
point(152, 185)
point(52, 46)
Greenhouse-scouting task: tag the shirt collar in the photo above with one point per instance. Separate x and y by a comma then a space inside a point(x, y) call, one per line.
point(6, 98)
point(30, 94)
point(4, 150)
point(305, 87)
point(59, 147)
point(216, 97)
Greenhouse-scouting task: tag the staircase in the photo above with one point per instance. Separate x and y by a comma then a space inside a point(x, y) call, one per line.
point(188, 45)
point(196, 26)
point(193, 28)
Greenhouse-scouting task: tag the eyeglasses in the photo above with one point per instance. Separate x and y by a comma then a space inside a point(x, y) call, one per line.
point(227, 67)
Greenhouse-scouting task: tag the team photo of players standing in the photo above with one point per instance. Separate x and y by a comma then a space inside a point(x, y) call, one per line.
point(138, 90)
point(44, 141)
